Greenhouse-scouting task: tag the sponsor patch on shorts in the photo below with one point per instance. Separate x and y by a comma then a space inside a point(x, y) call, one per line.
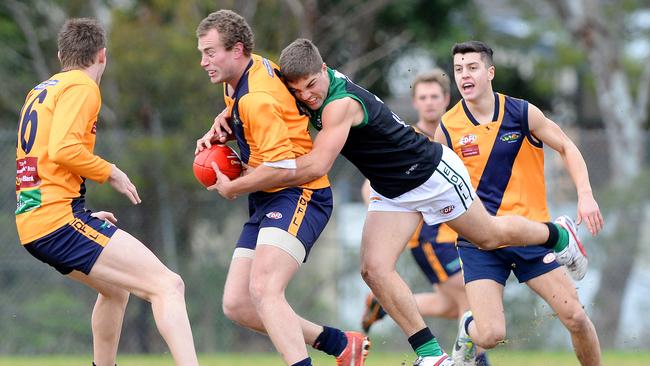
point(447, 210)
point(548, 258)
point(275, 215)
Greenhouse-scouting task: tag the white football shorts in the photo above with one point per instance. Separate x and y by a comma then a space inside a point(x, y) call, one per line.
point(447, 194)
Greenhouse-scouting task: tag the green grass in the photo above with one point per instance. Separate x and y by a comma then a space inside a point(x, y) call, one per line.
point(497, 358)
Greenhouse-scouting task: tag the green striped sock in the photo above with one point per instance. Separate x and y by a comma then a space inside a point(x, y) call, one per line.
point(431, 348)
point(562, 239)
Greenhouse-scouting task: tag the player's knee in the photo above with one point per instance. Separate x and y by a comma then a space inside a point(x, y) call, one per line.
point(234, 308)
point(372, 273)
point(576, 321)
point(261, 289)
point(491, 337)
point(174, 285)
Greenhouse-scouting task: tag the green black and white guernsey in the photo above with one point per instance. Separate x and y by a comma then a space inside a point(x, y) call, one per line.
point(387, 151)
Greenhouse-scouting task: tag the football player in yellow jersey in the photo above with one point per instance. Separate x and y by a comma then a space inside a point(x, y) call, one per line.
point(284, 223)
point(54, 157)
point(432, 246)
point(500, 140)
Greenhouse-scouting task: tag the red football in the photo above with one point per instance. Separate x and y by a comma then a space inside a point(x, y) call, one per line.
point(226, 158)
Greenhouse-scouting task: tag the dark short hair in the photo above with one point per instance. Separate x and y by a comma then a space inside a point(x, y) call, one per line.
point(477, 47)
point(432, 76)
point(232, 28)
point(79, 41)
point(300, 59)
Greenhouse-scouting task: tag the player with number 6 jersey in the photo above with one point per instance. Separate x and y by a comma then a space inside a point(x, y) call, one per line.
point(54, 157)
point(45, 192)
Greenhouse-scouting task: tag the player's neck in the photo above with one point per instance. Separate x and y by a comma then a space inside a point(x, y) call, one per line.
point(241, 68)
point(482, 108)
point(428, 127)
point(93, 72)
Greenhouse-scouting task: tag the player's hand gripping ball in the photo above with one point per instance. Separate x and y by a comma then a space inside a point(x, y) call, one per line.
point(226, 159)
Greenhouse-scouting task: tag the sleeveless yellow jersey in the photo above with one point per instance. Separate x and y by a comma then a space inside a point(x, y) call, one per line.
point(505, 162)
point(54, 153)
point(266, 120)
point(434, 234)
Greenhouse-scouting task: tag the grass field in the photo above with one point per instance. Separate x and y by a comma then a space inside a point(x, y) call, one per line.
point(497, 358)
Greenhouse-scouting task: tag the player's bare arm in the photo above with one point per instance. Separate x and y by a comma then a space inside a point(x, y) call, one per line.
point(337, 119)
point(552, 135)
point(261, 178)
point(439, 136)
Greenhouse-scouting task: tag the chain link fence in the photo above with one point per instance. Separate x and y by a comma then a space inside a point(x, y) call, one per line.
point(194, 231)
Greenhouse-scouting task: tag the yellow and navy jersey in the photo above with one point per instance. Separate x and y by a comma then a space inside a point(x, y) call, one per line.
point(266, 120)
point(434, 234)
point(504, 160)
point(54, 152)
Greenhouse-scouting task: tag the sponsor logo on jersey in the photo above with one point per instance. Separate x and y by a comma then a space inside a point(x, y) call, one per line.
point(470, 150)
point(275, 215)
point(548, 258)
point(467, 139)
point(375, 198)
point(447, 210)
point(412, 168)
point(510, 137)
point(27, 173)
point(268, 66)
point(45, 84)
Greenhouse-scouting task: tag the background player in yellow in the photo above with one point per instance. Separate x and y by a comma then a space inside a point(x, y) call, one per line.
point(500, 140)
point(284, 222)
point(54, 157)
point(433, 246)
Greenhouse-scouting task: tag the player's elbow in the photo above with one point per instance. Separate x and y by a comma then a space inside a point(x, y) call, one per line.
point(320, 169)
point(59, 155)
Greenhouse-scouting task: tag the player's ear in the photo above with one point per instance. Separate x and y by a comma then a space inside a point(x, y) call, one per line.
point(491, 71)
point(238, 48)
point(101, 56)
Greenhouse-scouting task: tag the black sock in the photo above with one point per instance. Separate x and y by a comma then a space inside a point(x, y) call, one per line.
point(553, 235)
point(421, 337)
point(331, 341)
point(305, 362)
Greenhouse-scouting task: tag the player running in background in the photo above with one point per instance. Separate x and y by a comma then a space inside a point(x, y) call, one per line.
point(500, 140)
point(285, 222)
point(410, 178)
point(433, 246)
point(54, 157)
